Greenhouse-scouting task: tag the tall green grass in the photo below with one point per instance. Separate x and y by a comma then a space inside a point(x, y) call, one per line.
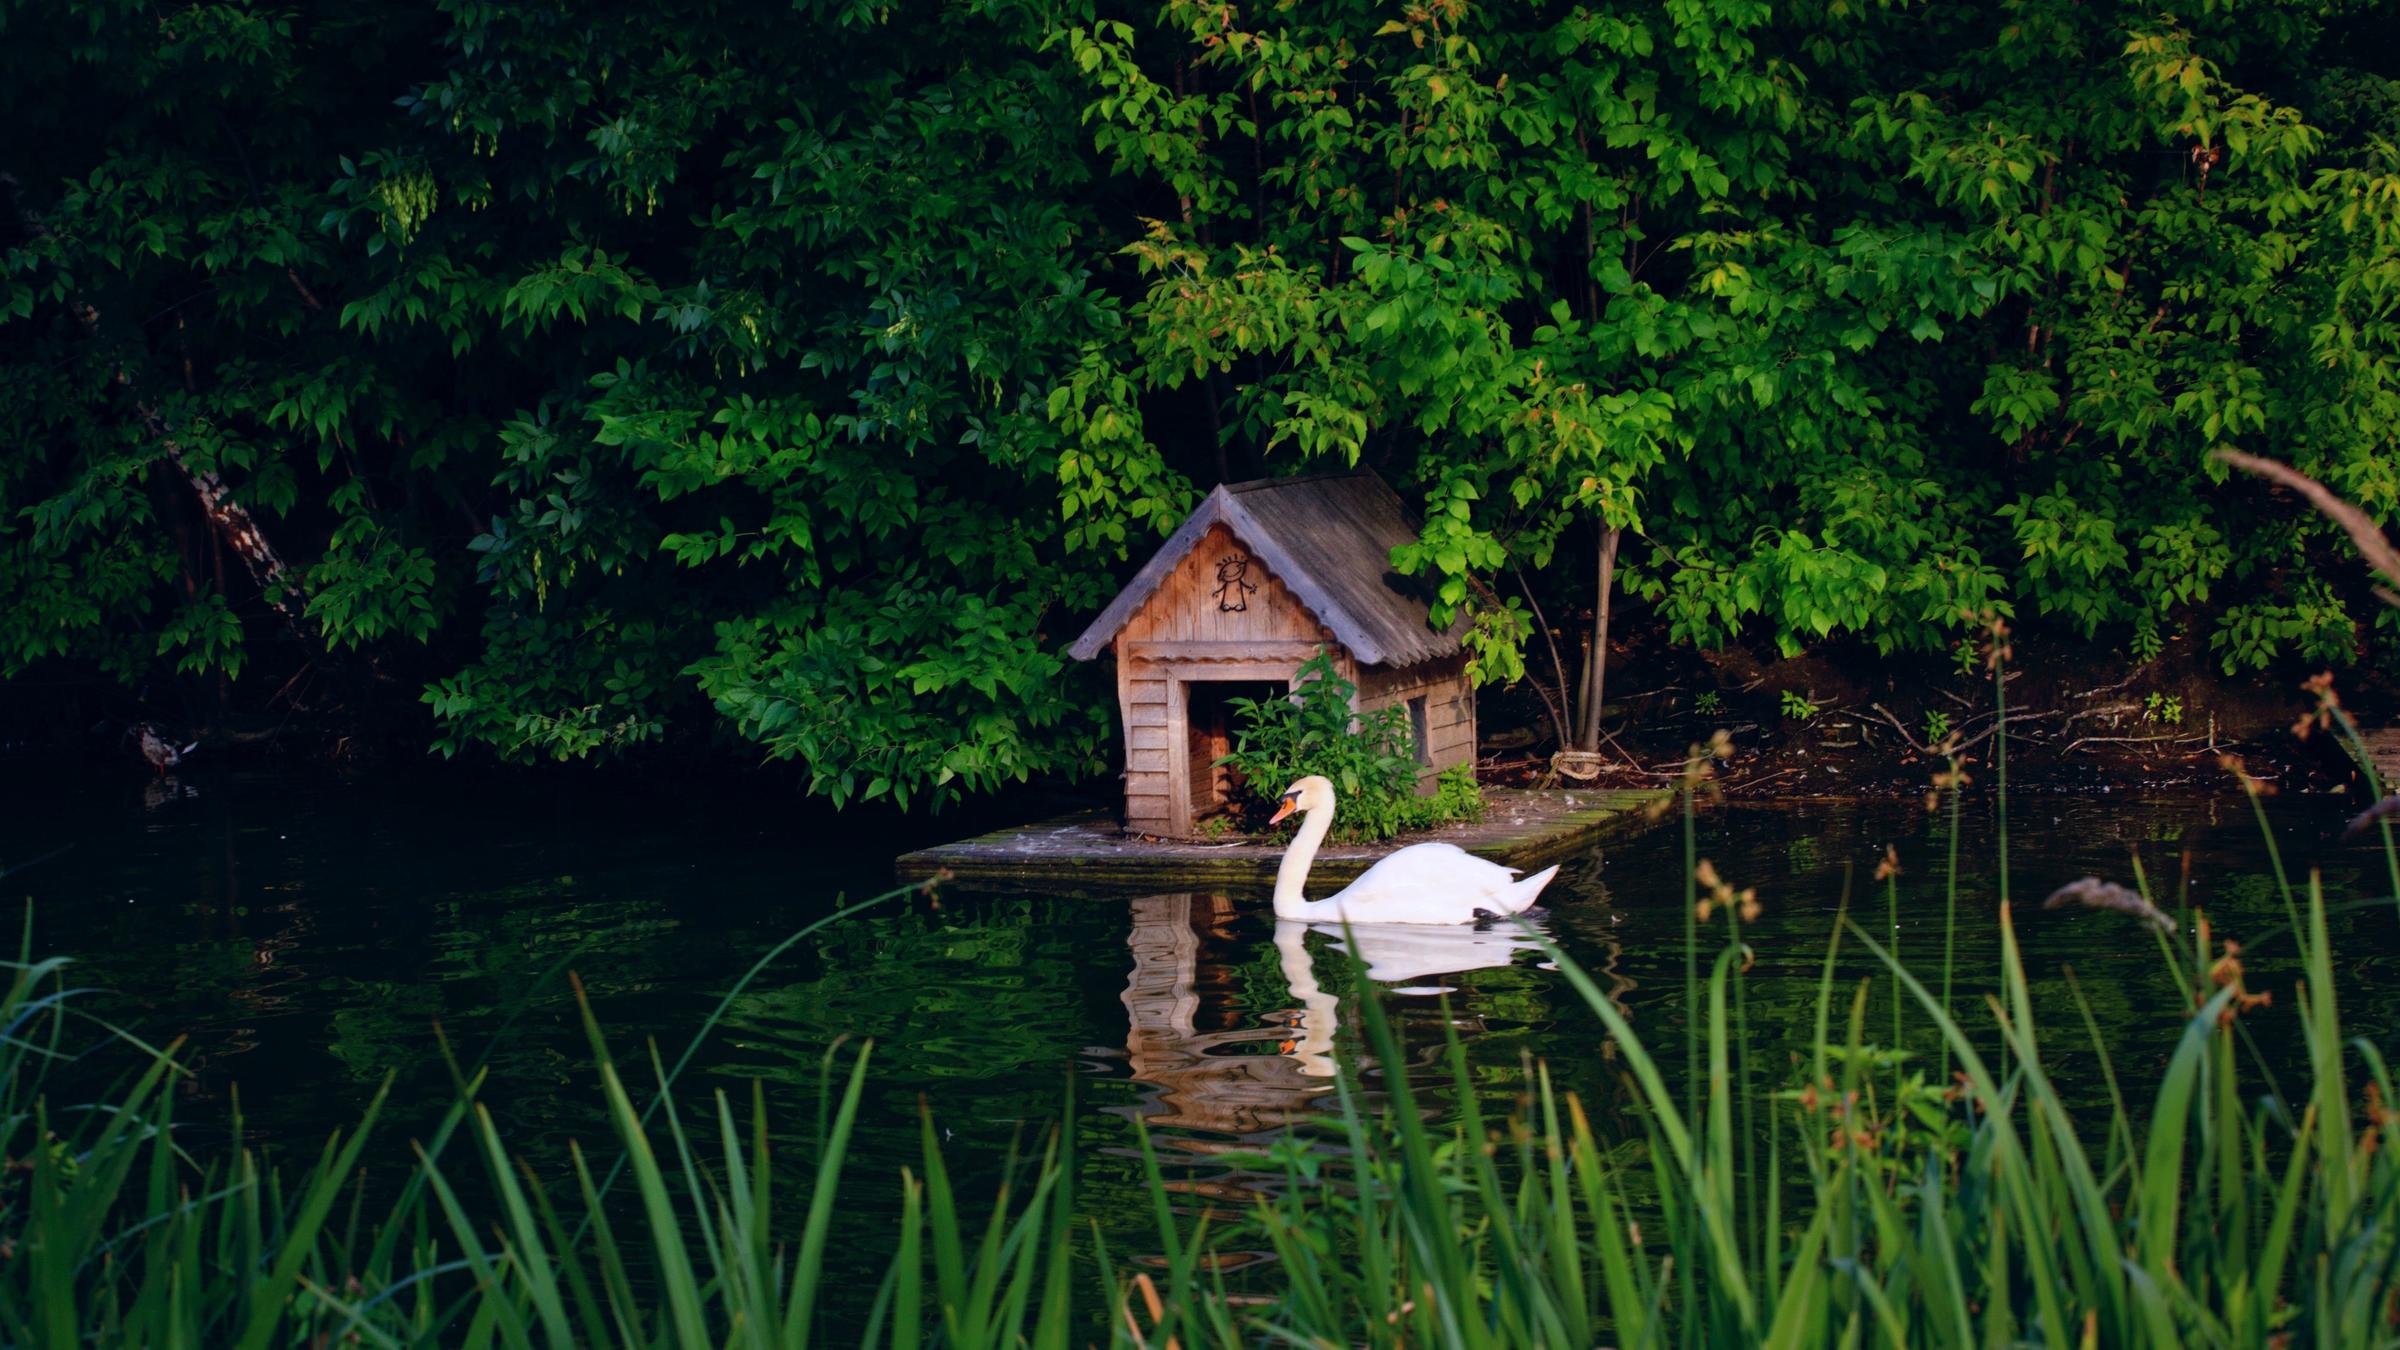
point(1754, 1205)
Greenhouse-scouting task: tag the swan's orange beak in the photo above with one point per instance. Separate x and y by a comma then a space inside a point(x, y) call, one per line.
point(1281, 811)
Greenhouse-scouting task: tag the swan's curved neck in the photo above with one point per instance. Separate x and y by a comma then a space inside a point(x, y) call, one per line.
point(1291, 878)
point(1313, 1047)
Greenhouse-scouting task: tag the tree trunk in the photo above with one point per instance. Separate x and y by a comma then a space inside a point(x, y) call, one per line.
point(233, 524)
point(226, 516)
point(1595, 665)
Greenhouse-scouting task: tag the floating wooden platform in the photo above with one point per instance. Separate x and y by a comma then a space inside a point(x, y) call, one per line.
point(1089, 852)
point(2383, 750)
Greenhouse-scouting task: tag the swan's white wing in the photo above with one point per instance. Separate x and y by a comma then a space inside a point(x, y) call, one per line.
point(1423, 883)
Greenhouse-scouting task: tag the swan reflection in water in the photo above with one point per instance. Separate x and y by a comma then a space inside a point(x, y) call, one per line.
point(1232, 1090)
point(1406, 954)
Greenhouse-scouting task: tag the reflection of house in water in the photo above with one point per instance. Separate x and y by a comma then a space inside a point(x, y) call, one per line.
point(1234, 1089)
point(1239, 1083)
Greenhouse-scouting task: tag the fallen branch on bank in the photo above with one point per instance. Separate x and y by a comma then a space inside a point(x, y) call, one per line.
point(1898, 726)
point(2128, 740)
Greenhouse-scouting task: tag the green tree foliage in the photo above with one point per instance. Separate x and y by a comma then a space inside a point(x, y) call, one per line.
point(809, 375)
point(1872, 319)
point(649, 358)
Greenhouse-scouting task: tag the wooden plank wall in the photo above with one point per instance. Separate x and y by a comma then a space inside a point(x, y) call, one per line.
point(1449, 708)
point(1183, 634)
point(1142, 700)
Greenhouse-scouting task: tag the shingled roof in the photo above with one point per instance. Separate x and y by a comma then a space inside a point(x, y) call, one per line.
point(1329, 537)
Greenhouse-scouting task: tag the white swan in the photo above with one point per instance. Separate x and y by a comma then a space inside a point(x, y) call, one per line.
point(1423, 883)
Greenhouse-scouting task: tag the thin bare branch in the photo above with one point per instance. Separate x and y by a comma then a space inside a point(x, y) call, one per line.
point(2360, 526)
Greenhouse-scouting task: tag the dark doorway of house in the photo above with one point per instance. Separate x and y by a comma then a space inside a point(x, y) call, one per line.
point(1211, 720)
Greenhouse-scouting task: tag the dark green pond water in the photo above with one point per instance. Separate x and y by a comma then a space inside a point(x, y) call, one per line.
point(307, 938)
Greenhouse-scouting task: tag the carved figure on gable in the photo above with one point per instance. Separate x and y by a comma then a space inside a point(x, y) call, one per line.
point(1233, 586)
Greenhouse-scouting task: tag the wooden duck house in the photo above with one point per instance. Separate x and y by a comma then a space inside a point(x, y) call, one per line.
point(1260, 577)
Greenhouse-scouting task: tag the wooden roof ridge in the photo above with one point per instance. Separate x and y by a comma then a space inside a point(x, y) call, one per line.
point(1329, 538)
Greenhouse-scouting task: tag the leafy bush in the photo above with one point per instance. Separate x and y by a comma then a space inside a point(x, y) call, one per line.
point(814, 429)
point(1456, 796)
point(1370, 757)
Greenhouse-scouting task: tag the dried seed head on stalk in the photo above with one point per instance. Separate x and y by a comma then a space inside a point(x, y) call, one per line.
point(1700, 763)
point(1698, 767)
point(2228, 972)
point(1949, 780)
point(2328, 704)
point(2256, 787)
point(2321, 685)
point(1699, 771)
point(1889, 867)
point(1997, 651)
point(1720, 893)
point(2228, 969)
point(2093, 893)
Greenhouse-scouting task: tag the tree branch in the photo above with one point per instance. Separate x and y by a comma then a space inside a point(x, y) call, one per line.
point(1541, 622)
point(230, 518)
